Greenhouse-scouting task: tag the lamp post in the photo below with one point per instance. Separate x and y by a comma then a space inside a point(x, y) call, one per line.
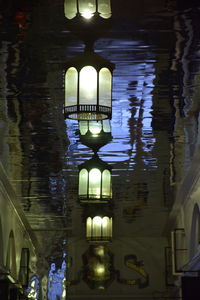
point(88, 87)
point(95, 184)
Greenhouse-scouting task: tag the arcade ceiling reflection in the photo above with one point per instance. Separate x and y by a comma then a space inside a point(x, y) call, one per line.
point(97, 180)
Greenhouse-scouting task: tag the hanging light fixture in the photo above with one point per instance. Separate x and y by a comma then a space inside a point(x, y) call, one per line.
point(95, 134)
point(88, 19)
point(88, 88)
point(87, 8)
point(95, 184)
point(99, 229)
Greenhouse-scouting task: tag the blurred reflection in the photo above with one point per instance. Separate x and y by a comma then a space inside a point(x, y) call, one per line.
point(88, 19)
point(95, 134)
point(99, 229)
point(33, 289)
point(56, 282)
point(95, 184)
point(88, 87)
point(98, 269)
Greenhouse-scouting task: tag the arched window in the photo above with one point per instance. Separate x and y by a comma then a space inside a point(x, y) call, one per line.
point(11, 255)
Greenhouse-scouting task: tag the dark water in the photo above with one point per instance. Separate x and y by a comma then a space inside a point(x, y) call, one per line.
point(155, 49)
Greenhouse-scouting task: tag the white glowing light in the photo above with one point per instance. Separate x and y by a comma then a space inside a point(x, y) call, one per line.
point(87, 14)
point(97, 221)
point(95, 128)
point(88, 85)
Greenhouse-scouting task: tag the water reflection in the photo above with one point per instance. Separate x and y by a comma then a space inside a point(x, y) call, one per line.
point(149, 145)
point(56, 282)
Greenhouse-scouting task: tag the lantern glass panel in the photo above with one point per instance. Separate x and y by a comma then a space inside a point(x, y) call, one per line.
point(87, 8)
point(95, 127)
point(88, 85)
point(104, 8)
point(106, 184)
point(106, 126)
point(95, 183)
point(83, 127)
point(106, 227)
point(89, 227)
point(97, 222)
point(105, 87)
point(70, 9)
point(71, 84)
point(83, 182)
point(110, 233)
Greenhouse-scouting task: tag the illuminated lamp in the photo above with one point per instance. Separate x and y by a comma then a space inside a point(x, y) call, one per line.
point(95, 134)
point(87, 8)
point(88, 19)
point(95, 184)
point(88, 88)
point(99, 229)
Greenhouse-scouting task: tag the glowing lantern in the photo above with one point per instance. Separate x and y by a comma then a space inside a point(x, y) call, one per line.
point(87, 8)
point(95, 134)
point(95, 181)
point(99, 228)
point(88, 88)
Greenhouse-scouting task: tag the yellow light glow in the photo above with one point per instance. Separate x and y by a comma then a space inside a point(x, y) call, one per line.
point(89, 227)
point(105, 222)
point(87, 14)
point(100, 250)
point(100, 269)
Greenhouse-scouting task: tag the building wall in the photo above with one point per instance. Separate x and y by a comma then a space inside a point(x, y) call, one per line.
point(15, 232)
